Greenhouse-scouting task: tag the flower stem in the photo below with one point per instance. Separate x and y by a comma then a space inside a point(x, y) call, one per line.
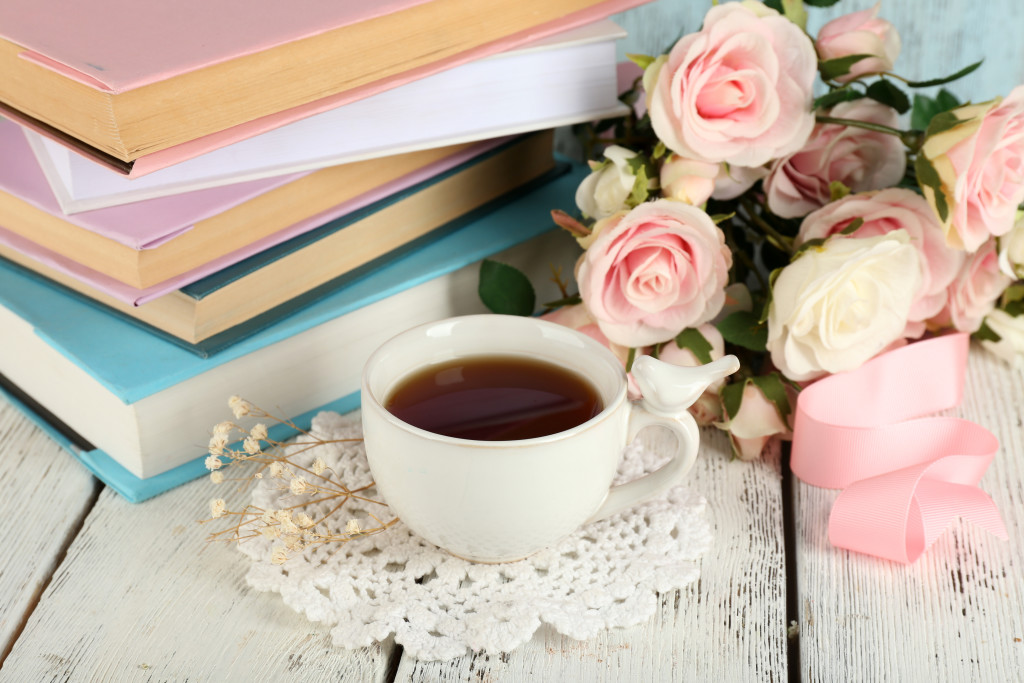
point(744, 258)
point(777, 239)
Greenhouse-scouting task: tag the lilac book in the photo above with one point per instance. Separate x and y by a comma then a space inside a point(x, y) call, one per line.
point(151, 223)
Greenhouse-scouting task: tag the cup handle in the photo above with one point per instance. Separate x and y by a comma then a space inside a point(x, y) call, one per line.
point(625, 496)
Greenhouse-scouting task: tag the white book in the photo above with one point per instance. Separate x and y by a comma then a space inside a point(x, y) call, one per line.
point(566, 79)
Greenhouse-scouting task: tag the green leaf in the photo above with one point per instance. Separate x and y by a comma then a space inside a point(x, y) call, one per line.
point(745, 329)
point(719, 217)
point(852, 227)
point(885, 92)
point(837, 190)
point(835, 97)
point(630, 358)
point(1013, 293)
point(833, 68)
point(927, 108)
point(923, 110)
point(567, 301)
point(504, 289)
point(927, 175)
point(942, 122)
point(809, 244)
point(772, 277)
point(946, 101)
point(642, 61)
point(1015, 308)
point(795, 12)
point(986, 333)
point(659, 150)
point(774, 389)
point(638, 195)
point(732, 398)
point(775, 5)
point(946, 79)
point(692, 339)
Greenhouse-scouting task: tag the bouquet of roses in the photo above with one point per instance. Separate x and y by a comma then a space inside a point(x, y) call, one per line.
point(734, 210)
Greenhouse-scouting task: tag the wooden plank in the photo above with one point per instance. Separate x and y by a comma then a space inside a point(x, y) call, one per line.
point(44, 494)
point(728, 626)
point(142, 596)
point(955, 615)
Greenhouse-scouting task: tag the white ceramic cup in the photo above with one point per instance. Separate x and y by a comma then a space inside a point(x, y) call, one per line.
point(498, 501)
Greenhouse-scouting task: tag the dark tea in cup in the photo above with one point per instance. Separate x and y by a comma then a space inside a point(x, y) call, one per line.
point(494, 398)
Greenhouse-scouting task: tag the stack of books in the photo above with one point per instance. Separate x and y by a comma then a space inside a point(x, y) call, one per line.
point(194, 206)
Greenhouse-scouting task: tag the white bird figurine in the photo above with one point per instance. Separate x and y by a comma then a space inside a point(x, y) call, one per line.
point(670, 389)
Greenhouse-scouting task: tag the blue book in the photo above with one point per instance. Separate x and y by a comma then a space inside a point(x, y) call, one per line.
point(141, 408)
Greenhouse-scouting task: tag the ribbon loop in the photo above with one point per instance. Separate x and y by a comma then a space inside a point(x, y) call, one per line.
point(904, 479)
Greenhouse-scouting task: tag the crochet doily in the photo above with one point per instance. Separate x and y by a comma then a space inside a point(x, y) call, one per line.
point(438, 606)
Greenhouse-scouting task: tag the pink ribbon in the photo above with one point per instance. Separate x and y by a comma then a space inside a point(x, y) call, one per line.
point(903, 479)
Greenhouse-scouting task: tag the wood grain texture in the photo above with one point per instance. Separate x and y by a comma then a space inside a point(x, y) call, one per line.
point(728, 626)
point(44, 494)
point(957, 614)
point(141, 596)
point(939, 36)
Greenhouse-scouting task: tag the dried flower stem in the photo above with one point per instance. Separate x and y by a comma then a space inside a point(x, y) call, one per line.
point(315, 485)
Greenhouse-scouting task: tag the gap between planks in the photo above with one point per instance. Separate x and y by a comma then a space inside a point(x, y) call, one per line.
point(76, 526)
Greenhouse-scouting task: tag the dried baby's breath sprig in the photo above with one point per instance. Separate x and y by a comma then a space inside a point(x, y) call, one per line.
point(251, 446)
point(280, 555)
point(239, 406)
point(315, 487)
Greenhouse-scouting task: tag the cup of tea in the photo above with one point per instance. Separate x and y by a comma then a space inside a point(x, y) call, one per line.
point(495, 436)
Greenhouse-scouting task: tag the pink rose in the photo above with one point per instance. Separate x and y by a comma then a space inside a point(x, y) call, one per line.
point(688, 180)
point(980, 164)
point(754, 424)
point(860, 159)
point(860, 33)
point(738, 91)
point(883, 212)
point(707, 409)
point(654, 271)
point(577, 318)
point(973, 293)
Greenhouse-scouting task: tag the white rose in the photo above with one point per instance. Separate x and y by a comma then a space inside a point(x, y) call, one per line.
point(840, 304)
point(605, 191)
point(1010, 329)
point(1011, 249)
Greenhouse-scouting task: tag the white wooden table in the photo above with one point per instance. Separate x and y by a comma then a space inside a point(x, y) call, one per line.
point(94, 588)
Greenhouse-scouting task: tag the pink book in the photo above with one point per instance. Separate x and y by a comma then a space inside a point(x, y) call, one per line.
point(120, 45)
point(150, 223)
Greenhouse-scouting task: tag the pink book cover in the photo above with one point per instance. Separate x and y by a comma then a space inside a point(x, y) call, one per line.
point(124, 44)
point(149, 223)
